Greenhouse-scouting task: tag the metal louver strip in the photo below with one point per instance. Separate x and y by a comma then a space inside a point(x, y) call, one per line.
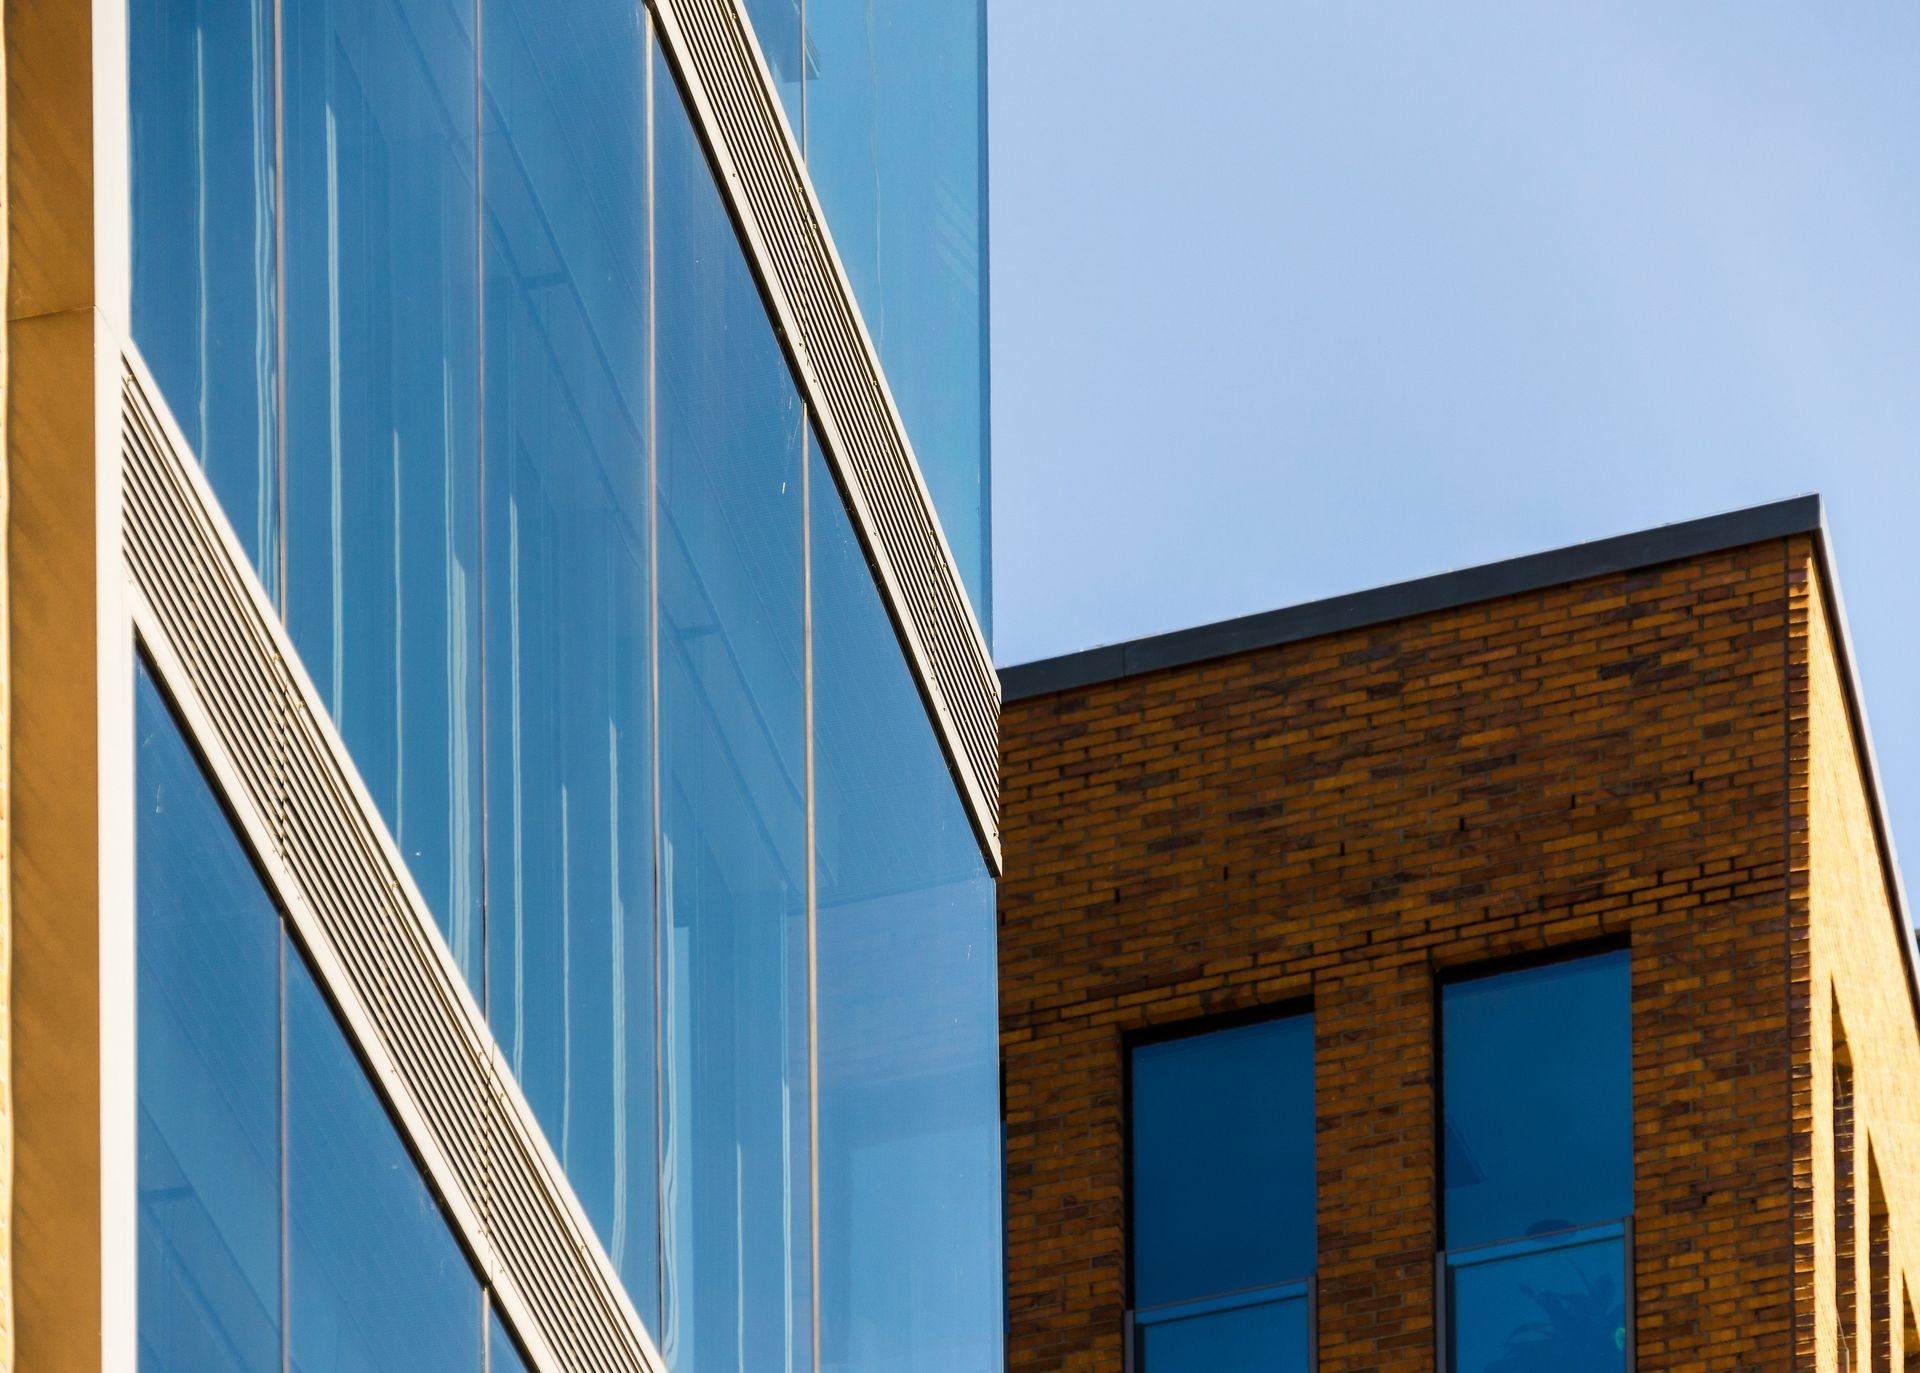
point(228, 663)
point(709, 43)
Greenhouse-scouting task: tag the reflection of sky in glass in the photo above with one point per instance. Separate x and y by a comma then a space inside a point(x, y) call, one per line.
point(908, 1051)
point(1267, 1338)
point(1222, 1161)
point(1538, 1094)
point(1557, 1311)
point(209, 1075)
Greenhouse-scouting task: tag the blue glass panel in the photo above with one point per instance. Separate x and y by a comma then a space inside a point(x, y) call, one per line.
point(1223, 1161)
point(503, 1355)
point(209, 1075)
point(1528, 1309)
point(375, 1279)
point(896, 143)
point(1538, 1088)
point(1270, 1337)
point(382, 410)
point(907, 1013)
point(200, 96)
point(570, 927)
point(732, 777)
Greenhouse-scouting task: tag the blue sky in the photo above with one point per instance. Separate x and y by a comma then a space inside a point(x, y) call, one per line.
point(1292, 299)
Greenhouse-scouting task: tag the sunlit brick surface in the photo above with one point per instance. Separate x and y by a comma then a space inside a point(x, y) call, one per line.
point(1664, 756)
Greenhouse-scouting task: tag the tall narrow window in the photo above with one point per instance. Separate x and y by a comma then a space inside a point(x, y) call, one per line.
point(1538, 1159)
point(1222, 1187)
point(1879, 1262)
point(1845, 1257)
point(1909, 1360)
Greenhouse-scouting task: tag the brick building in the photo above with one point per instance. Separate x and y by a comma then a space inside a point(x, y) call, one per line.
point(1358, 821)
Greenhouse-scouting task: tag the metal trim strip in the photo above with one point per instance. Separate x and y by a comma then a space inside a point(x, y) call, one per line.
point(711, 47)
point(303, 810)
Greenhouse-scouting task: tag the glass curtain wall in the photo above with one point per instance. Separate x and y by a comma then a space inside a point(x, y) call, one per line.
point(1537, 1086)
point(907, 1041)
point(282, 1221)
point(546, 559)
point(1223, 1192)
point(888, 101)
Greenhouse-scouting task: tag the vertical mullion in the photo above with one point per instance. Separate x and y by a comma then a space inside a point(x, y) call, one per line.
point(813, 922)
point(279, 311)
point(653, 704)
point(286, 1209)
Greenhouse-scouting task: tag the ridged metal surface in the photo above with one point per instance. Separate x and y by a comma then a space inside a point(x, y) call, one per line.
point(707, 41)
point(367, 929)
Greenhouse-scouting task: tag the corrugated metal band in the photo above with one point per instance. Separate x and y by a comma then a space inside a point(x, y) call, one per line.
point(709, 43)
point(363, 922)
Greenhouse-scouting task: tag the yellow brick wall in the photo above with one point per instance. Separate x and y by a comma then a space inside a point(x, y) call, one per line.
point(1855, 962)
point(1350, 816)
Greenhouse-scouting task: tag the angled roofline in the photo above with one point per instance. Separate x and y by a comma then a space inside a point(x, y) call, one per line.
point(1445, 591)
point(1649, 548)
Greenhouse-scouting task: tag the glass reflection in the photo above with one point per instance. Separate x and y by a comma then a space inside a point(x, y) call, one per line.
point(570, 927)
point(200, 100)
point(382, 344)
point(732, 776)
point(375, 1279)
point(1538, 1090)
point(1222, 1161)
point(908, 1053)
point(1540, 1307)
point(209, 1070)
point(896, 144)
point(1258, 1337)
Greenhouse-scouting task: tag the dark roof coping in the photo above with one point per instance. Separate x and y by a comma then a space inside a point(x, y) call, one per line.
point(1446, 591)
point(1515, 576)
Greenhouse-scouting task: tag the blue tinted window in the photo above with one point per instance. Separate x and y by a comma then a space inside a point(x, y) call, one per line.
point(1555, 1304)
point(732, 779)
point(200, 98)
point(375, 1279)
point(382, 299)
point(896, 143)
point(209, 1075)
point(1538, 1090)
point(569, 800)
point(503, 1355)
point(1267, 1336)
point(907, 1018)
point(1222, 1161)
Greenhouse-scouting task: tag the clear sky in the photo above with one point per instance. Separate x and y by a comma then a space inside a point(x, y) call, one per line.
point(1291, 299)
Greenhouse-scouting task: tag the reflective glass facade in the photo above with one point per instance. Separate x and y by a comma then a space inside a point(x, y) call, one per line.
point(888, 100)
point(539, 502)
point(283, 1223)
point(1537, 1087)
point(1222, 1186)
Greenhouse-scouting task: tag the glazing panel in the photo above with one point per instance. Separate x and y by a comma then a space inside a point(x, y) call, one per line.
point(375, 1279)
point(382, 412)
point(896, 144)
point(910, 1261)
point(570, 927)
point(200, 96)
point(209, 1070)
point(1558, 1309)
point(1269, 1338)
point(732, 765)
point(1222, 1161)
point(503, 1355)
point(1538, 1088)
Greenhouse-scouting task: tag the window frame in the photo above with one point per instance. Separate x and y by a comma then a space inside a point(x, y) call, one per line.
point(1288, 1289)
point(1522, 961)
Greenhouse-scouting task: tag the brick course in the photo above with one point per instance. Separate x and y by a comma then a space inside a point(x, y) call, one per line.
point(1663, 756)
